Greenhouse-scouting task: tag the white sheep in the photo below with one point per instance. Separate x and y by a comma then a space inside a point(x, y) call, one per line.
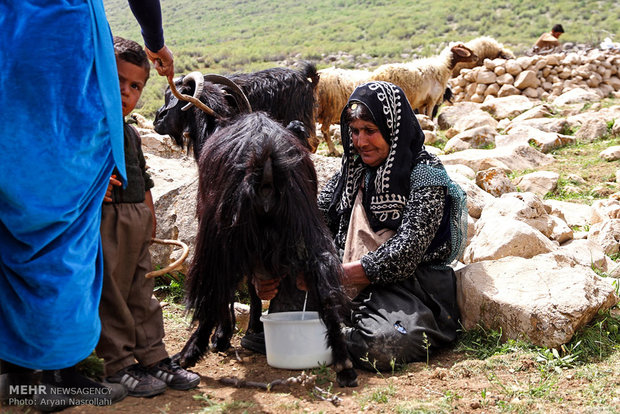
point(333, 91)
point(484, 47)
point(424, 81)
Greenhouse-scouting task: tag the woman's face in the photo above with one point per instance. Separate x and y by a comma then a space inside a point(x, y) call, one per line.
point(369, 142)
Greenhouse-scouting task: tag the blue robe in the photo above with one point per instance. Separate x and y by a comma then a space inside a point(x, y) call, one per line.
point(60, 137)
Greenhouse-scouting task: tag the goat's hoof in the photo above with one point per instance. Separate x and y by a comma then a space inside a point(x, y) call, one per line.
point(220, 345)
point(347, 378)
point(184, 360)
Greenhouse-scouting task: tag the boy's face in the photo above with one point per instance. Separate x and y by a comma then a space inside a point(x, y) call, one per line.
point(132, 79)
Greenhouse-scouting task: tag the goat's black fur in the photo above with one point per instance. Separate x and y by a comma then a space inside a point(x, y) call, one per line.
point(285, 94)
point(258, 217)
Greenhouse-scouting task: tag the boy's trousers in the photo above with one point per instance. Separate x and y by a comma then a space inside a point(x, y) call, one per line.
point(131, 317)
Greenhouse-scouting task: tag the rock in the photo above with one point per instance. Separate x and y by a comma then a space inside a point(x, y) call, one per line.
point(479, 137)
point(507, 107)
point(604, 210)
point(556, 125)
point(176, 219)
point(160, 145)
point(539, 111)
point(611, 153)
point(426, 123)
point(592, 129)
point(505, 79)
point(538, 182)
point(615, 129)
point(607, 235)
point(429, 137)
point(507, 90)
point(526, 79)
point(499, 237)
point(544, 299)
point(450, 114)
point(575, 96)
point(572, 213)
point(530, 209)
point(589, 254)
point(486, 77)
point(513, 67)
point(463, 170)
point(494, 181)
point(523, 135)
point(513, 158)
point(474, 119)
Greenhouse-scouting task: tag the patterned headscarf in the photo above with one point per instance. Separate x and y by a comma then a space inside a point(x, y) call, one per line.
point(386, 187)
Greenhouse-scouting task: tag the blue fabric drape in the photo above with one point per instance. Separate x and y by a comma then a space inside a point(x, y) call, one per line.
point(60, 137)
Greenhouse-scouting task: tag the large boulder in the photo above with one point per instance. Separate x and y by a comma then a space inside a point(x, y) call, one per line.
point(507, 107)
point(607, 235)
point(576, 96)
point(499, 237)
point(513, 158)
point(480, 137)
point(538, 182)
point(544, 299)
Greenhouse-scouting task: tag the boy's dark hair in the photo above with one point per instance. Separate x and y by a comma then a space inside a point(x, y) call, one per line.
point(557, 28)
point(131, 52)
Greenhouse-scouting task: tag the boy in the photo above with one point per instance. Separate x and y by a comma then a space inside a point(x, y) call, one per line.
point(131, 318)
point(550, 40)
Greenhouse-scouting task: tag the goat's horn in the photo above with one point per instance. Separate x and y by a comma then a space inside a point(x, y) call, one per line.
point(191, 99)
point(199, 83)
point(238, 94)
point(176, 263)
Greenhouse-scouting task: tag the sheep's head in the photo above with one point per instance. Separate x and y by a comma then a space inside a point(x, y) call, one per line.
point(461, 53)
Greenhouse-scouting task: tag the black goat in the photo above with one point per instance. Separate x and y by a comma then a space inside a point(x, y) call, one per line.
point(285, 94)
point(258, 217)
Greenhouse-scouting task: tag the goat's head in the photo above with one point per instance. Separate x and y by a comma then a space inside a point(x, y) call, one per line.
point(217, 99)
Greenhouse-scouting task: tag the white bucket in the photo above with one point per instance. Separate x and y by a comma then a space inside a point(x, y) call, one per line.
point(293, 343)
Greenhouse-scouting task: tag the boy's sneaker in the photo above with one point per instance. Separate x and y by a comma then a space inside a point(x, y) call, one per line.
point(172, 374)
point(138, 381)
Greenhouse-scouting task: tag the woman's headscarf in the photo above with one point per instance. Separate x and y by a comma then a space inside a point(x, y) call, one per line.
point(386, 187)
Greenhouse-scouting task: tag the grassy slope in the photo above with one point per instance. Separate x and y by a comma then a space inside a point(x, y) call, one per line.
point(221, 36)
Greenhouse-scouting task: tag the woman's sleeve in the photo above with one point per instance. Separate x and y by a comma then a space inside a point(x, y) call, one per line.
point(148, 15)
point(399, 256)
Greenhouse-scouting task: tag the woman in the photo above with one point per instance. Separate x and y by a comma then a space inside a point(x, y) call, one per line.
point(399, 220)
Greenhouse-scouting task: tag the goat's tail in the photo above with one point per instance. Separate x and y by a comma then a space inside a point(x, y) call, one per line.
point(310, 72)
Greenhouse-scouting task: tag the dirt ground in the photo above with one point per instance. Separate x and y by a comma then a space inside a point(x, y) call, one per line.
point(450, 383)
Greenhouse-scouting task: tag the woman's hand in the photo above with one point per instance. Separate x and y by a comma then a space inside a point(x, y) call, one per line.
point(113, 183)
point(354, 279)
point(354, 274)
point(163, 61)
point(266, 289)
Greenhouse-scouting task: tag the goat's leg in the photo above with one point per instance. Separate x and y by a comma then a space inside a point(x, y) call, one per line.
point(256, 309)
point(224, 331)
point(196, 345)
point(345, 373)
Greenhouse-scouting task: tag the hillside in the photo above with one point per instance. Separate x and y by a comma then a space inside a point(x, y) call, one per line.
point(222, 36)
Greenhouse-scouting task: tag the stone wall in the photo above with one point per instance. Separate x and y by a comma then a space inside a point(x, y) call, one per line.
point(540, 76)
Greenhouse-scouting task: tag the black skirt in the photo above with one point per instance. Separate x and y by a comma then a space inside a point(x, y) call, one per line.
point(404, 321)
